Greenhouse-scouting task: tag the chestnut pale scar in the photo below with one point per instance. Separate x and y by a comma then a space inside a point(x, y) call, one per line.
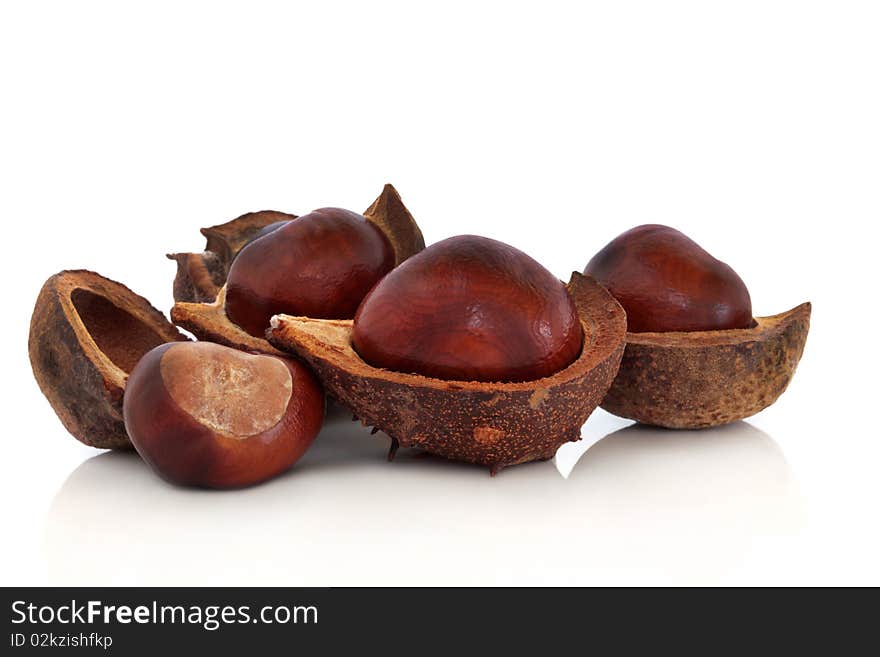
point(232, 392)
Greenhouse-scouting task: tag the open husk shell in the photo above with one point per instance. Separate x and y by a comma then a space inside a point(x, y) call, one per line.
point(204, 315)
point(708, 378)
point(494, 424)
point(87, 333)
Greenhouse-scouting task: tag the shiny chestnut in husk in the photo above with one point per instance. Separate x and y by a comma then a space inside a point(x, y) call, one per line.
point(322, 264)
point(666, 282)
point(695, 357)
point(470, 350)
point(469, 309)
point(319, 265)
point(203, 414)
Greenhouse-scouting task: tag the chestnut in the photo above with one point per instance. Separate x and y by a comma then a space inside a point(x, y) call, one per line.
point(200, 276)
point(202, 414)
point(473, 309)
point(265, 230)
point(695, 357)
point(319, 265)
point(469, 308)
point(666, 282)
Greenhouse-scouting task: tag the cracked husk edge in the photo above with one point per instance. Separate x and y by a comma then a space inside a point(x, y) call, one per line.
point(389, 214)
point(209, 322)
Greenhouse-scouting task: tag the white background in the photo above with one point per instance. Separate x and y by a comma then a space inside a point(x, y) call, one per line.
point(751, 126)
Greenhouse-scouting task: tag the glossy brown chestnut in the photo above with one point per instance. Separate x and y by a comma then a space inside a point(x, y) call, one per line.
point(206, 415)
point(666, 282)
point(200, 284)
point(469, 309)
point(319, 265)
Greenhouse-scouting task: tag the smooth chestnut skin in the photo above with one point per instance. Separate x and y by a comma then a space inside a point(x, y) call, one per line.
point(265, 230)
point(666, 282)
point(201, 414)
point(469, 309)
point(320, 265)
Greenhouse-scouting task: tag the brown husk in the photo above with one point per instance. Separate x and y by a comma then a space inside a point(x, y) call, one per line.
point(86, 334)
point(201, 279)
point(389, 214)
point(494, 424)
point(208, 321)
point(707, 378)
point(201, 275)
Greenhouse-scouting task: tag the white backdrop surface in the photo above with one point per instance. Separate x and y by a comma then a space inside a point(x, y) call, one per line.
point(752, 127)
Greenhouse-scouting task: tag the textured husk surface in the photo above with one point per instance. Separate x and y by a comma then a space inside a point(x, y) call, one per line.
point(390, 215)
point(209, 322)
point(82, 384)
point(204, 313)
point(708, 378)
point(494, 424)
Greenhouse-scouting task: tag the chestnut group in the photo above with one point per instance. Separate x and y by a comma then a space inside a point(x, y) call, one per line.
point(467, 348)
